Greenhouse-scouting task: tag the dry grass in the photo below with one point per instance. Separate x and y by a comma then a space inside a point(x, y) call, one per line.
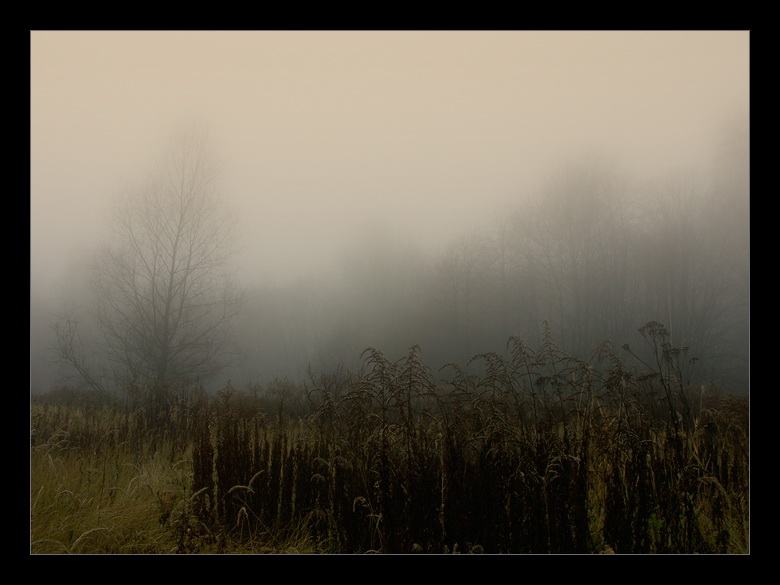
point(535, 453)
point(101, 503)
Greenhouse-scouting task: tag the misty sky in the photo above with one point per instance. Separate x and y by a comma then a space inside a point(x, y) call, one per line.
point(324, 135)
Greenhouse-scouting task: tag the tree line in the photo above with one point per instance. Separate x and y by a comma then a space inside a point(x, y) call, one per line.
point(593, 256)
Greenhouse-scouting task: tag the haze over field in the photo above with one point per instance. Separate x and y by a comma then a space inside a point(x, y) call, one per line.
point(344, 154)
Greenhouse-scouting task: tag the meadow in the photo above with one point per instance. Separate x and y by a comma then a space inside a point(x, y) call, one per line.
point(533, 452)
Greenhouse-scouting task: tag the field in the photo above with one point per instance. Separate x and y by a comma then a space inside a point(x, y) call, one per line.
point(536, 453)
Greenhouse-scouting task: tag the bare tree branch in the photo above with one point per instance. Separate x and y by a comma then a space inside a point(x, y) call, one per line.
point(164, 300)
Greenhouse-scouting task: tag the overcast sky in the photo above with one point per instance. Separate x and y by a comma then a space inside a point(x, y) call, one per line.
point(321, 133)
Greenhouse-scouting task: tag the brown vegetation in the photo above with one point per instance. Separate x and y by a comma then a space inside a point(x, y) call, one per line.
point(536, 452)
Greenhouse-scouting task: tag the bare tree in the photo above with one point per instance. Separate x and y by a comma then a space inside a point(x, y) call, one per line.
point(460, 276)
point(72, 352)
point(164, 299)
point(578, 242)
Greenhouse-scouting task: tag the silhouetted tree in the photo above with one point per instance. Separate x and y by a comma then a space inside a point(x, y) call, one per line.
point(163, 298)
point(578, 244)
point(461, 274)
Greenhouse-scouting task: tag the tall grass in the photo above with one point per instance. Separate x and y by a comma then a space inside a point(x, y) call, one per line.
point(532, 452)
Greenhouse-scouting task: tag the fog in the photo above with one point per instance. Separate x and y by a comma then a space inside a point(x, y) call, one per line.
point(362, 166)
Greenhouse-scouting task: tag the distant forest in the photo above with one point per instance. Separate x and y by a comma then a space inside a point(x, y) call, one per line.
point(594, 256)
